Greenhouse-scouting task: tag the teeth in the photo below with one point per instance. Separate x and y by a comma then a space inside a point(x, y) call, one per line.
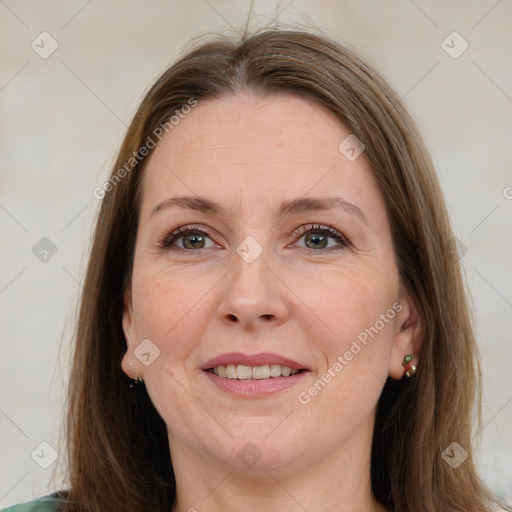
point(275, 370)
point(261, 372)
point(231, 371)
point(244, 372)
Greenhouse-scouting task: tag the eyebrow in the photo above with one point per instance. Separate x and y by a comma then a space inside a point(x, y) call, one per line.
point(301, 204)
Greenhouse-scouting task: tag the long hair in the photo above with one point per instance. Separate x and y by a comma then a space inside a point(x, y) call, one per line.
point(117, 442)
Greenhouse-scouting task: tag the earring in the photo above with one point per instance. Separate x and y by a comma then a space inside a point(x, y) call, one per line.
point(136, 382)
point(410, 368)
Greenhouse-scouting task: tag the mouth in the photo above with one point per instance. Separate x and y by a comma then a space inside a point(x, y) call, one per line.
point(253, 376)
point(244, 372)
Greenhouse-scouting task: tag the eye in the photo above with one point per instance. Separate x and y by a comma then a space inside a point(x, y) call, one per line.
point(191, 238)
point(187, 238)
point(316, 237)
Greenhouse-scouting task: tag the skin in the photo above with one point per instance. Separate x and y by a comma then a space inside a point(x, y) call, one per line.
point(297, 300)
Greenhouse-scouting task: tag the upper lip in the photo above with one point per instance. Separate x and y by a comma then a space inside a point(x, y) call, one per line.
point(252, 360)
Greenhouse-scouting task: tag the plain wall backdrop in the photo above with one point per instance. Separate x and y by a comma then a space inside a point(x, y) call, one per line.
point(71, 76)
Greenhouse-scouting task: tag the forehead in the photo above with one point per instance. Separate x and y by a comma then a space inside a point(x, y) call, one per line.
point(277, 147)
point(250, 124)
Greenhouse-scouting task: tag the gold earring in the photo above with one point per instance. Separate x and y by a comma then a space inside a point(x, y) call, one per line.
point(411, 371)
point(407, 364)
point(136, 381)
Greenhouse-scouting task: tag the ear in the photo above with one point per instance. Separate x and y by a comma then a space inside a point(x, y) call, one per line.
point(130, 364)
point(409, 331)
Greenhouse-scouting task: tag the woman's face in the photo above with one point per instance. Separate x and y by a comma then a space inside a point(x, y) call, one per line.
point(284, 265)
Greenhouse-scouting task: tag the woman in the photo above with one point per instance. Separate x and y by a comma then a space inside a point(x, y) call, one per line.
point(272, 310)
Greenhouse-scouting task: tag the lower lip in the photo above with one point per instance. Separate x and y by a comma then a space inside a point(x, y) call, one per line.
point(255, 388)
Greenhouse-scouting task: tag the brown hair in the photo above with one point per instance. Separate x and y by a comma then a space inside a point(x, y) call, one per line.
point(117, 443)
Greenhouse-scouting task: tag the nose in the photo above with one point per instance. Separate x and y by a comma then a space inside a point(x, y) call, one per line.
point(254, 296)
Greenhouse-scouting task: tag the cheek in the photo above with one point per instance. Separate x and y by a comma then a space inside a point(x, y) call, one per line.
point(167, 310)
point(349, 302)
point(358, 309)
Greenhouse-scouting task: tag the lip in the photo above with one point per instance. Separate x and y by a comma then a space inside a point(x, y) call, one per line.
point(254, 388)
point(252, 360)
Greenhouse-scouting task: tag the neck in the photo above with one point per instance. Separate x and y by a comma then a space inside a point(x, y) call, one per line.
point(330, 482)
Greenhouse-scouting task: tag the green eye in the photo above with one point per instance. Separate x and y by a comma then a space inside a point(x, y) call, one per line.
point(316, 237)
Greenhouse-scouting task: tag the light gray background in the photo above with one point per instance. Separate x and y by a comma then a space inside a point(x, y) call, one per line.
point(62, 119)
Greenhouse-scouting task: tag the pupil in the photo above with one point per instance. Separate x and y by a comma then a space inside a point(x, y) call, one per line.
point(315, 238)
point(318, 240)
point(192, 241)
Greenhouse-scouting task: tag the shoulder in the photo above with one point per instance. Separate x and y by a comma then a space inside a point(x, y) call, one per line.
point(45, 504)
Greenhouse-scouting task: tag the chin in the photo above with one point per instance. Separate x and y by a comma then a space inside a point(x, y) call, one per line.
point(261, 449)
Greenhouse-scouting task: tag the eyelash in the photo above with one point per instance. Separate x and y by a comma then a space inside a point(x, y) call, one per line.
point(169, 238)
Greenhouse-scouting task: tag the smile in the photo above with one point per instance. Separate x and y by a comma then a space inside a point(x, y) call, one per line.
point(244, 372)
